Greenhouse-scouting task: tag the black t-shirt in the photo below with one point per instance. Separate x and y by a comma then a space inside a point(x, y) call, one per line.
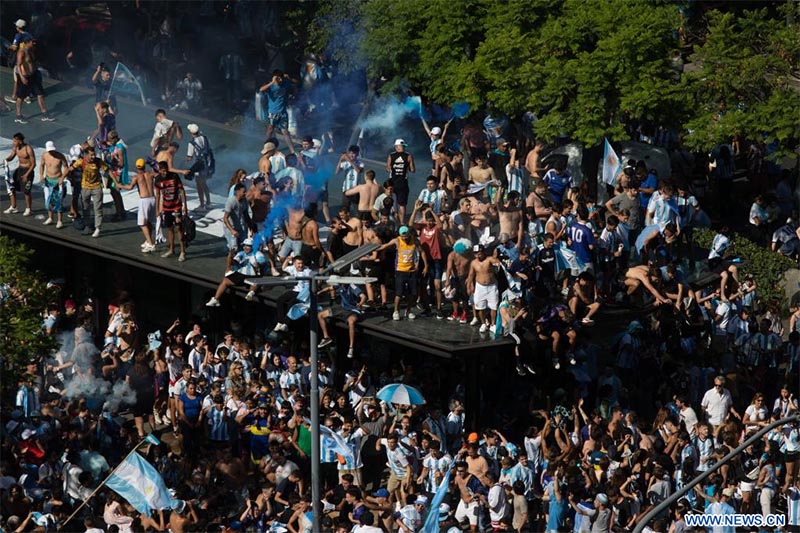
point(285, 488)
point(546, 260)
point(142, 380)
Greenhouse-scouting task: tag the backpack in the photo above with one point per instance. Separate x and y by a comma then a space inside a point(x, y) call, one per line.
point(205, 155)
point(188, 229)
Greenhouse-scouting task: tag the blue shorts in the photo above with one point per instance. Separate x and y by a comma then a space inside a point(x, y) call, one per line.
point(290, 247)
point(435, 268)
point(279, 120)
point(234, 243)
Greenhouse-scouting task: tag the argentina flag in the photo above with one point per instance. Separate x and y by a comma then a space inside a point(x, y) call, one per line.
point(140, 484)
point(611, 164)
point(432, 520)
point(337, 443)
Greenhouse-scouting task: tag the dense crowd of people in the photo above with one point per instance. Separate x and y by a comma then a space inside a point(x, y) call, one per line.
point(495, 239)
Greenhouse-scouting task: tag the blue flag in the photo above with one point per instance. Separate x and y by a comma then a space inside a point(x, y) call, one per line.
point(432, 520)
point(140, 484)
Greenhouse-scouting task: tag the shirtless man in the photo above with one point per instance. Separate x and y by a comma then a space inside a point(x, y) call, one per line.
point(258, 200)
point(168, 155)
point(52, 171)
point(355, 236)
point(458, 263)
point(642, 275)
point(510, 215)
point(311, 249)
point(182, 517)
point(372, 264)
point(481, 172)
point(143, 180)
point(293, 244)
point(23, 176)
point(467, 509)
point(532, 161)
point(29, 83)
point(366, 193)
point(539, 200)
point(482, 285)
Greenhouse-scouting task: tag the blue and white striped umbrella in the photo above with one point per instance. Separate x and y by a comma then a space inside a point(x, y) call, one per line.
point(401, 394)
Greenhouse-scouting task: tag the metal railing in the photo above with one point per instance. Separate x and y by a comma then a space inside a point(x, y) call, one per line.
point(661, 507)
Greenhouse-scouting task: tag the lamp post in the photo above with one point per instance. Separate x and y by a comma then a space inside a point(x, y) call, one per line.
point(329, 276)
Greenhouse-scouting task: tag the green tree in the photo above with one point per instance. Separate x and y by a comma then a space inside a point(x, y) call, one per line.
point(745, 78)
point(22, 308)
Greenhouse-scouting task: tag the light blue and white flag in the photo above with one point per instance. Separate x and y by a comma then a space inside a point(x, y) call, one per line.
point(338, 444)
point(125, 83)
point(140, 484)
point(432, 520)
point(611, 164)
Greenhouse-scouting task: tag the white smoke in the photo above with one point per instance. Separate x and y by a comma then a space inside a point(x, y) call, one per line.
point(121, 394)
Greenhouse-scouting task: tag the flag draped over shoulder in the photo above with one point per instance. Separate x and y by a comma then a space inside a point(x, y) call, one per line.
point(125, 83)
point(432, 520)
point(140, 484)
point(611, 164)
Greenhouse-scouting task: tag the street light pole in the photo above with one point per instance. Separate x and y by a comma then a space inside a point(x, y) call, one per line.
point(316, 500)
point(328, 275)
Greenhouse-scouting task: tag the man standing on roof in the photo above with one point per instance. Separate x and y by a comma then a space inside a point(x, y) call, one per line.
point(398, 164)
point(52, 171)
point(143, 180)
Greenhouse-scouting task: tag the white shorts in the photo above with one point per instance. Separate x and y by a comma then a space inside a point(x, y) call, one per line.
point(147, 211)
point(486, 295)
point(467, 511)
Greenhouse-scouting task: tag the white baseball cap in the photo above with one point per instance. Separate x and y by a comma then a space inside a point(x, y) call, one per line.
point(193, 128)
point(50, 146)
point(399, 142)
point(436, 130)
point(20, 23)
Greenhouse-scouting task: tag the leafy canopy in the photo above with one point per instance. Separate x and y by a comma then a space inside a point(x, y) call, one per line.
point(585, 68)
point(22, 310)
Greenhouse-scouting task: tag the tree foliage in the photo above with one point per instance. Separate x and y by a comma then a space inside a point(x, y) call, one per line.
point(747, 81)
point(22, 309)
point(587, 69)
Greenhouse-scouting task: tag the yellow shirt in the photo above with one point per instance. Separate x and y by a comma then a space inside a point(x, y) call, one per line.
point(90, 177)
point(407, 256)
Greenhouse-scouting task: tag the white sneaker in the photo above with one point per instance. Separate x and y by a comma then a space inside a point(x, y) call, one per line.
point(474, 321)
point(411, 316)
point(147, 248)
point(144, 245)
point(213, 302)
point(281, 327)
point(47, 222)
point(27, 213)
point(59, 225)
point(493, 329)
point(96, 233)
point(350, 353)
point(395, 316)
point(556, 364)
point(11, 210)
point(483, 328)
point(250, 296)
